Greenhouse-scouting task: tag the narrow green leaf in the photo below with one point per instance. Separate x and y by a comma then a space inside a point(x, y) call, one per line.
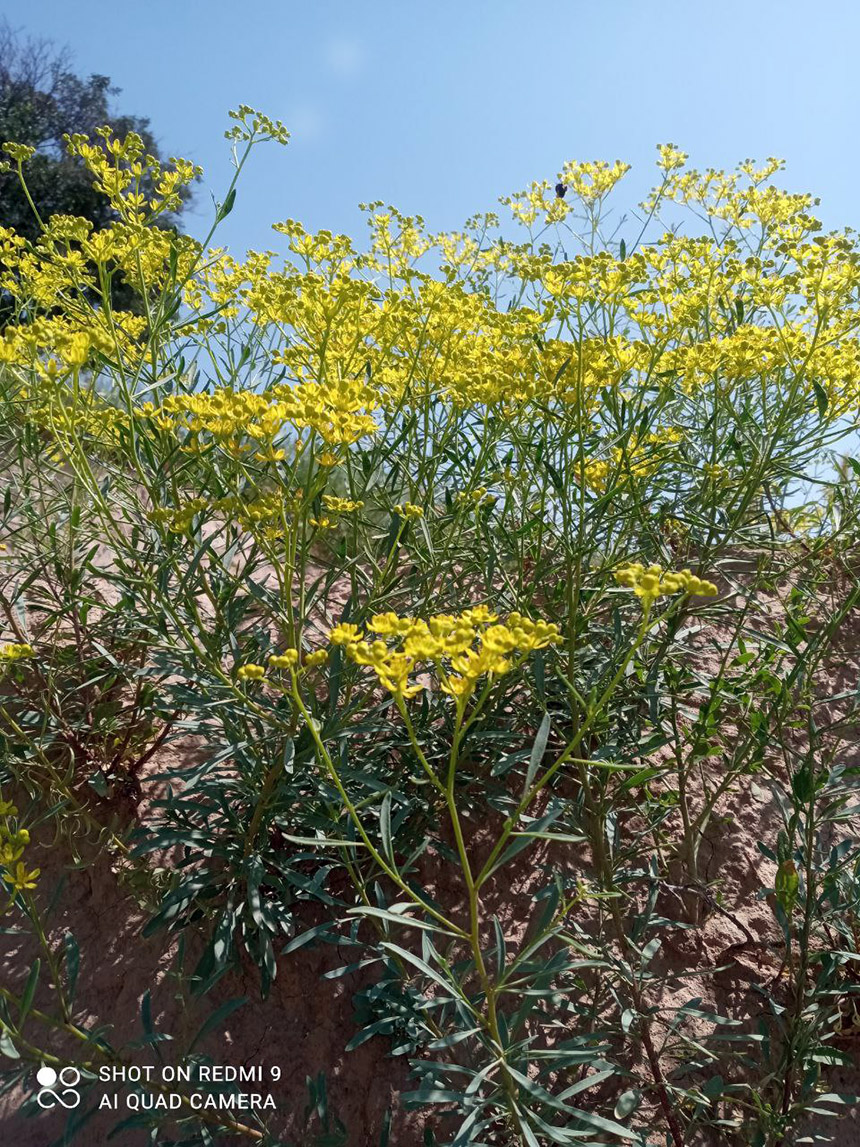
point(73, 963)
point(29, 991)
point(425, 968)
point(217, 1019)
point(821, 399)
point(538, 750)
point(385, 828)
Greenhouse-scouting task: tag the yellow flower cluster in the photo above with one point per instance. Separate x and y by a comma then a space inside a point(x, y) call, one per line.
point(14, 651)
point(264, 515)
point(58, 346)
point(253, 125)
point(138, 186)
point(353, 347)
point(651, 582)
point(289, 659)
point(19, 152)
point(13, 841)
point(462, 649)
point(242, 420)
point(409, 511)
point(341, 505)
point(475, 498)
point(638, 458)
point(178, 519)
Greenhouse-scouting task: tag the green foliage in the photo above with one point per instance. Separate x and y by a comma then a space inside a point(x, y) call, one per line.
point(464, 669)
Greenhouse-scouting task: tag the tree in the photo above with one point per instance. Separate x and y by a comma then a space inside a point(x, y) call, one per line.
point(41, 99)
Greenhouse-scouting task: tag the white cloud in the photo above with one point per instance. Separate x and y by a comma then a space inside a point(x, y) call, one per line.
point(305, 122)
point(344, 58)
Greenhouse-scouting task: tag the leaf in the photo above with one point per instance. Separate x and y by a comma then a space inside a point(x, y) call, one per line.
point(524, 838)
point(585, 1117)
point(400, 918)
point(786, 885)
point(803, 784)
point(380, 1027)
point(255, 875)
point(821, 399)
point(640, 778)
point(651, 949)
point(6, 1046)
point(539, 668)
point(425, 968)
point(501, 947)
point(306, 938)
point(713, 1087)
point(385, 1133)
point(385, 828)
point(73, 963)
point(558, 837)
point(323, 842)
point(227, 206)
point(538, 750)
point(97, 781)
point(451, 1040)
point(429, 1095)
point(29, 991)
point(217, 1018)
point(587, 1082)
point(627, 1103)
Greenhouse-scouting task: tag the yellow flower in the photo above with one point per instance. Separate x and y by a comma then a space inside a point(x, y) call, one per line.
point(341, 505)
point(286, 660)
point(652, 582)
point(251, 672)
point(345, 634)
point(20, 878)
point(446, 644)
point(479, 615)
point(15, 652)
point(408, 511)
point(390, 625)
point(20, 152)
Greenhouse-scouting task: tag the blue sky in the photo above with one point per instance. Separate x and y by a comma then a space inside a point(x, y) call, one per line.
point(440, 107)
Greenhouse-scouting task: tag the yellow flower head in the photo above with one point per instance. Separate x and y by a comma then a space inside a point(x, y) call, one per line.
point(345, 634)
point(341, 505)
point(653, 582)
point(315, 659)
point(459, 649)
point(408, 510)
point(286, 660)
point(15, 652)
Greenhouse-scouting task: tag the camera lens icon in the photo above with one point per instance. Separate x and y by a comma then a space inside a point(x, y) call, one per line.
point(58, 1088)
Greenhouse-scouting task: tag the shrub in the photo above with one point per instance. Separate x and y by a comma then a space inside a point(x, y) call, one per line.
point(489, 574)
